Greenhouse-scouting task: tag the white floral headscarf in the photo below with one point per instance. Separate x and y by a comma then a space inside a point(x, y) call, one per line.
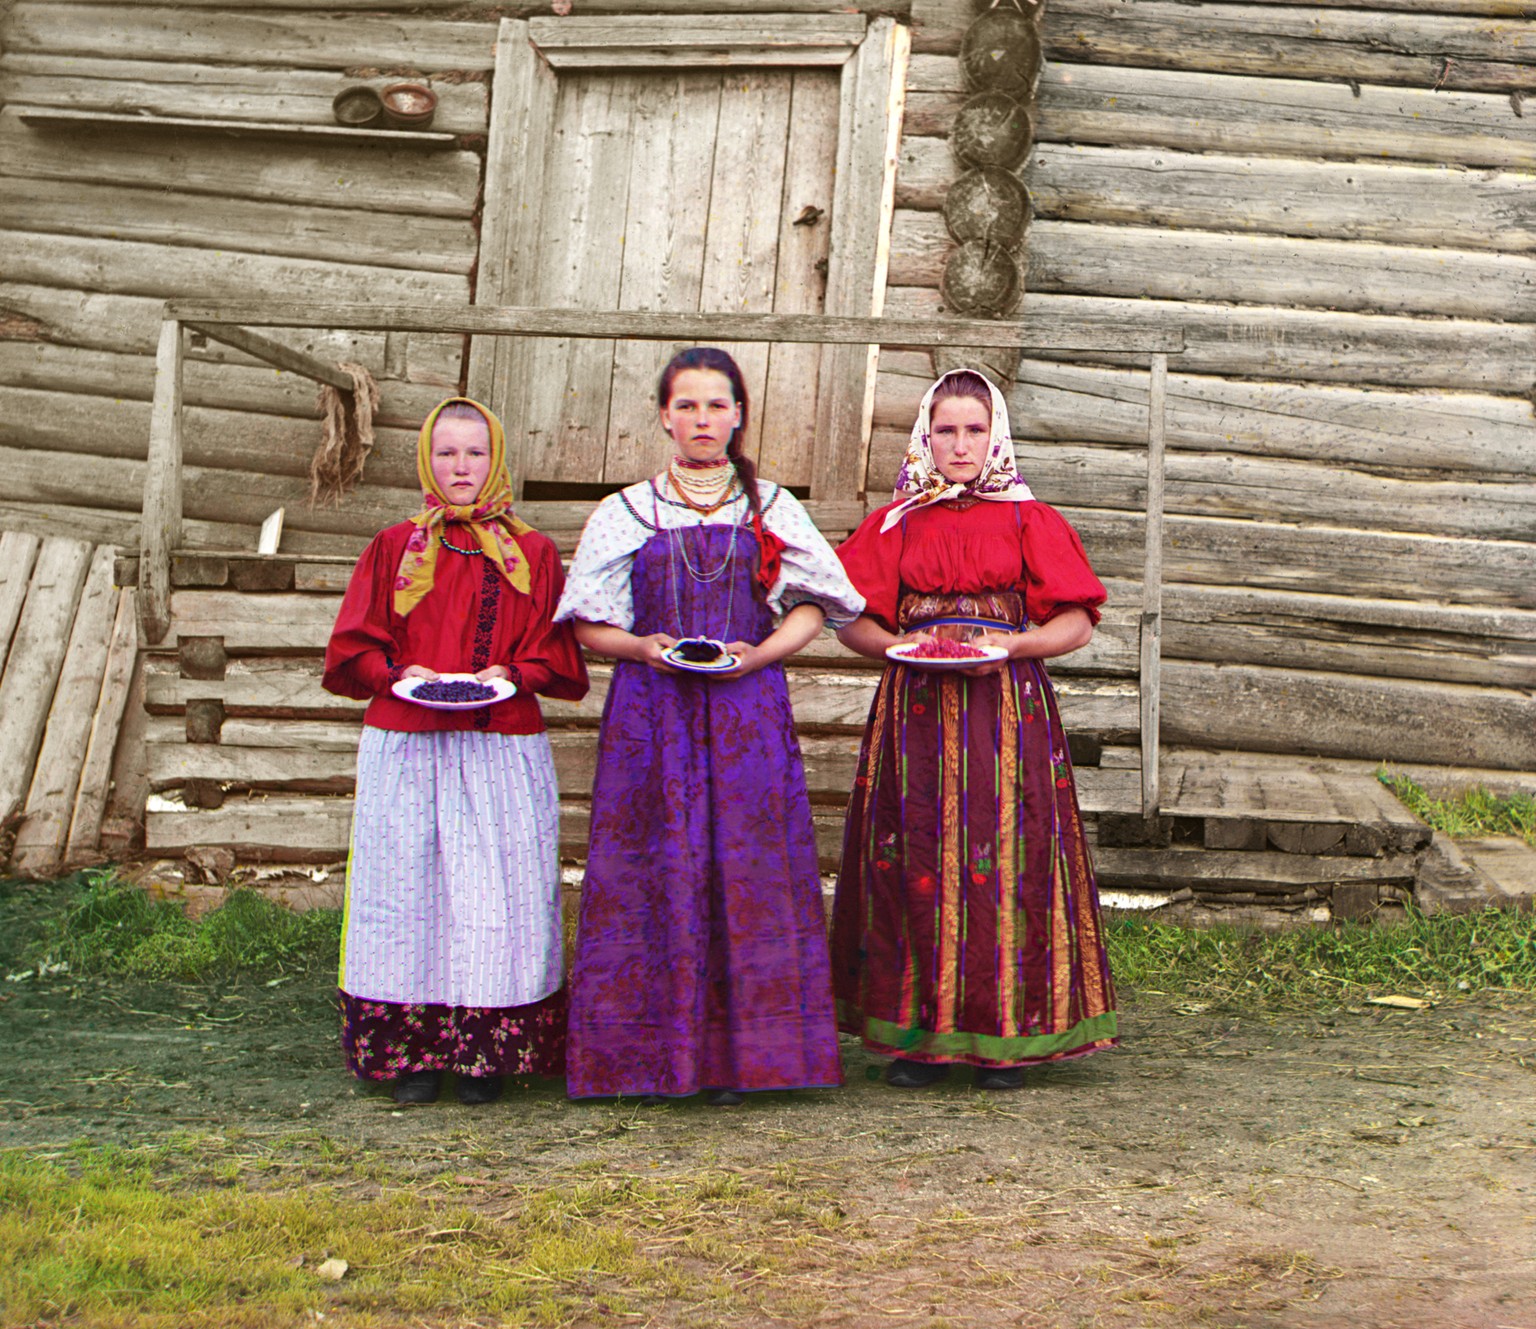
point(921, 482)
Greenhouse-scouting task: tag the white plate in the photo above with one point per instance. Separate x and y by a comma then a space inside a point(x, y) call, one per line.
point(901, 654)
point(504, 689)
point(720, 666)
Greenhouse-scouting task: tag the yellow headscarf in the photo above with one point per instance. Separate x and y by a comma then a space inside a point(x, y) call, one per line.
point(489, 518)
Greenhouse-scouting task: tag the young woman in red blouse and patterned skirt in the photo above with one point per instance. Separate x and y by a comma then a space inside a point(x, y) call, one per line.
point(966, 925)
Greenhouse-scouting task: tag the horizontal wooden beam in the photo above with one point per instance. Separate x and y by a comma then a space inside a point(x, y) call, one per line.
point(274, 353)
point(183, 124)
point(1042, 332)
point(645, 41)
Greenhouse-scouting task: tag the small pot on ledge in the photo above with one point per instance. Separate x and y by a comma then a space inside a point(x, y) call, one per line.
point(357, 107)
point(408, 105)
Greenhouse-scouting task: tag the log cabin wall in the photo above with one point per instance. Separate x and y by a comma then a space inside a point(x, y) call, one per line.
point(1336, 204)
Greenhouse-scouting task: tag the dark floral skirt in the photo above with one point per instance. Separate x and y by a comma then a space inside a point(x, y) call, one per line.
point(383, 1040)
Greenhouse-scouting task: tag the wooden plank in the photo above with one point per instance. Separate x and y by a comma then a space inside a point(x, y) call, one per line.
point(674, 133)
point(629, 8)
point(18, 554)
point(160, 525)
point(1044, 329)
point(52, 117)
point(869, 117)
point(1239, 871)
point(106, 724)
point(745, 217)
point(1152, 588)
point(163, 216)
point(1094, 259)
point(35, 659)
point(276, 354)
point(215, 91)
point(294, 40)
point(443, 184)
point(1323, 714)
point(585, 187)
point(1396, 203)
point(1267, 40)
point(788, 406)
point(137, 268)
point(50, 801)
point(1310, 345)
point(631, 42)
point(288, 828)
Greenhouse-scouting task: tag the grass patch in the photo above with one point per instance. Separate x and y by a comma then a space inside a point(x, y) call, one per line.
point(1494, 949)
point(1471, 813)
point(106, 926)
point(107, 1237)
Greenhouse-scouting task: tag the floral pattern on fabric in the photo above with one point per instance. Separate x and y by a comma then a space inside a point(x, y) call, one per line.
point(384, 1040)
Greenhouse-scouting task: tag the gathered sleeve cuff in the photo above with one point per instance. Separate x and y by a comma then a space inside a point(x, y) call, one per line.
point(599, 588)
point(1057, 573)
point(547, 659)
point(809, 570)
point(873, 564)
point(360, 656)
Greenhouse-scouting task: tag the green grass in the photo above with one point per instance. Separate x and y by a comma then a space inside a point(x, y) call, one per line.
point(1494, 949)
point(114, 1237)
point(111, 927)
point(1471, 813)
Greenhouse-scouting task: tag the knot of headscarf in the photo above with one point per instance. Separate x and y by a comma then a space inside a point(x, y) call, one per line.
point(920, 482)
point(490, 519)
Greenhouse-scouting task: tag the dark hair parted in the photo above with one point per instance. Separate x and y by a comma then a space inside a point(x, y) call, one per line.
point(961, 383)
point(711, 357)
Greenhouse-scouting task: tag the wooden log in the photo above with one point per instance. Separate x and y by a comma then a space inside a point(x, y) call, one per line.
point(56, 117)
point(443, 184)
point(1234, 872)
point(35, 659)
point(1269, 710)
point(1297, 344)
point(1394, 204)
point(106, 724)
point(285, 828)
point(18, 554)
point(629, 8)
point(645, 42)
point(50, 802)
point(1152, 590)
point(1092, 259)
point(216, 91)
point(133, 267)
point(160, 526)
point(292, 40)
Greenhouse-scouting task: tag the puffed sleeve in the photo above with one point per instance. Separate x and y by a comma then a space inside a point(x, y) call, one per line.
point(873, 564)
point(547, 655)
point(359, 658)
point(1057, 574)
point(598, 589)
point(809, 570)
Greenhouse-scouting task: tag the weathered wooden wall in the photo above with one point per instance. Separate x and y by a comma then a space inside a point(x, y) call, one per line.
point(1339, 207)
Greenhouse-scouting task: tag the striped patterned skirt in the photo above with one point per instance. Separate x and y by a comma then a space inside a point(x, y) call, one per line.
point(452, 954)
point(966, 925)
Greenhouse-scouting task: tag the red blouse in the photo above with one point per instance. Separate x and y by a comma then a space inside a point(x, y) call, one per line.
point(470, 620)
point(944, 548)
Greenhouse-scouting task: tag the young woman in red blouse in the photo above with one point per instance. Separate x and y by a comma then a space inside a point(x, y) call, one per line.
point(452, 958)
point(966, 924)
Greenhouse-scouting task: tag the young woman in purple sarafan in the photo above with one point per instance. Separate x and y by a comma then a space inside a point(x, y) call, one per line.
point(701, 956)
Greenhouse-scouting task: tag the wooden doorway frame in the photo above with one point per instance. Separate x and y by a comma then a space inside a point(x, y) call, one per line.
point(872, 57)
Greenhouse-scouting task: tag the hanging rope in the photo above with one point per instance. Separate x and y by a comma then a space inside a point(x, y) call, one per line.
point(346, 436)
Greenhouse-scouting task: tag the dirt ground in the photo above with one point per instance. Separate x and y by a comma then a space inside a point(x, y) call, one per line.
point(1365, 1167)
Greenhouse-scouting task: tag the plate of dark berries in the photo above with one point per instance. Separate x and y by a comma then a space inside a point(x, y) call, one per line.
point(700, 655)
point(454, 692)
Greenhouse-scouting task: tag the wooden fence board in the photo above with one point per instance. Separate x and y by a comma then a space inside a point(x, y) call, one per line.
point(106, 724)
point(18, 554)
point(35, 658)
point(1394, 203)
point(443, 184)
point(50, 801)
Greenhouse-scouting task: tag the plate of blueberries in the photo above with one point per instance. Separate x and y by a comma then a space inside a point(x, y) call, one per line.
point(454, 692)
point(700, 655)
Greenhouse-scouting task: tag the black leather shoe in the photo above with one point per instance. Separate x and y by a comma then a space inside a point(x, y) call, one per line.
point(473, 1089)
point(901, 1074)
point(419, 1087)
point(726, 1098)
point(999, 1077)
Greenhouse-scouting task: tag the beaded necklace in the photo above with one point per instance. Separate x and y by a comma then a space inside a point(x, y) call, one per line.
point(699, 576)
point(448, 545)
point(704, 492)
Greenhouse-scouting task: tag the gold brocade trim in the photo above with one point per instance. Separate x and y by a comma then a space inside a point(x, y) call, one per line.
point(1094, 995)
point(1061, 939)
point(1007, 858)
point(949, 920)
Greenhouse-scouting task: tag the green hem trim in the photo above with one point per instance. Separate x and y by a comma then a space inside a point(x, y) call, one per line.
point(986, 1047)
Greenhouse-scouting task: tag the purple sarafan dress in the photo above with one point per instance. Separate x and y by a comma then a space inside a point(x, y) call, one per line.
point(701, 957)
